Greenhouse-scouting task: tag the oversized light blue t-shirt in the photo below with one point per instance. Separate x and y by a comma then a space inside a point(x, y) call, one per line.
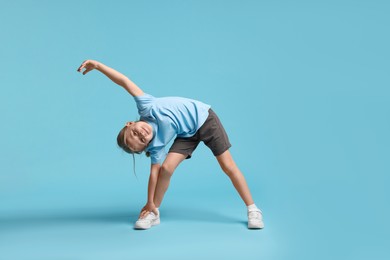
point(170, 117)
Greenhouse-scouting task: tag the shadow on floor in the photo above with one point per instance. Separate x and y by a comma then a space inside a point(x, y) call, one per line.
point(113, 216)
point(35, 219)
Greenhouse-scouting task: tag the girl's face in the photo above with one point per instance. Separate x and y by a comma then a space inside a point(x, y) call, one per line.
point(138, 135)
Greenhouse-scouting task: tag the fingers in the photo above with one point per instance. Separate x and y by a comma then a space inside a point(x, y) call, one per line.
point(148, 209)
point(145, 212)
point(142, 212)
point(87, 65)
point(82, 66)
point(86, 71)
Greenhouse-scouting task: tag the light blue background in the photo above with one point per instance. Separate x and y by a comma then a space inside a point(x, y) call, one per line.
point(302, 88)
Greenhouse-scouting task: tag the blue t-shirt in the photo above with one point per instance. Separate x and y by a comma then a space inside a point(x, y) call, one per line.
point(170, 117)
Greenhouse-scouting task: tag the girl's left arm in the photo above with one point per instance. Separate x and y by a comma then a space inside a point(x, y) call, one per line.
point(112, 74)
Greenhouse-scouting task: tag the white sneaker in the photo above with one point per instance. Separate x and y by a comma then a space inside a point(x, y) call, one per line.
point(255, 219)
point(147, 222)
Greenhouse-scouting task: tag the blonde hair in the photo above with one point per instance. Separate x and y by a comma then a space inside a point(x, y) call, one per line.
point(121, 143)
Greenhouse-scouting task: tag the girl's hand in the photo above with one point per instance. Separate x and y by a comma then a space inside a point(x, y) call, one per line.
point(88, 65)
point(149, 207)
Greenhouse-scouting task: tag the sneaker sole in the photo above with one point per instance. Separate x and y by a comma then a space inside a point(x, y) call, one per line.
point(144, 227)
point(256, 226)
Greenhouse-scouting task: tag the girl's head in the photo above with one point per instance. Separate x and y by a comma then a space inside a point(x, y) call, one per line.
point(135, 137)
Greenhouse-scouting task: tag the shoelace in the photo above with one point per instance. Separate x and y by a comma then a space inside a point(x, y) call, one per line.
point(255, 214)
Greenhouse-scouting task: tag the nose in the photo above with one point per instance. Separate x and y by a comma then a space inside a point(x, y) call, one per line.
point(142, 134)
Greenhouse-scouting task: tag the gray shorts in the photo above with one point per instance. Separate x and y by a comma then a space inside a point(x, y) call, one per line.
point(211, 133)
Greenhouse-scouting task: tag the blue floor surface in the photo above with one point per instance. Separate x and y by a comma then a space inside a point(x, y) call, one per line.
point(109, 234)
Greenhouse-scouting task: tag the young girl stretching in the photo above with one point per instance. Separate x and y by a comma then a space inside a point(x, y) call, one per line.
point(162, 119)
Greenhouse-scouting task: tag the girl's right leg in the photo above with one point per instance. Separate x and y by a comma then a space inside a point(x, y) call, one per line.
point(164, 177)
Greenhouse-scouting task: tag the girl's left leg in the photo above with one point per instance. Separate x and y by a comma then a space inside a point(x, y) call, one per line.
point(255, 218)
point(228, 165)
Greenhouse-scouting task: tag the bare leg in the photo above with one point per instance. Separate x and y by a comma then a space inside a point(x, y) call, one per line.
point(228, 165)
point(164, 177)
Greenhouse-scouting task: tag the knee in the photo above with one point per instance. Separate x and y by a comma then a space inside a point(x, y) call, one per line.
point(229, 168)
point(166, 170)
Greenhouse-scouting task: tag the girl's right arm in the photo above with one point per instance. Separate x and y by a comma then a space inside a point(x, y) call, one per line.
point(112, 74)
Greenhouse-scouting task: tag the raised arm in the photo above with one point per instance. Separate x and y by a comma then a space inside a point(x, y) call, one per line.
point(112, 74)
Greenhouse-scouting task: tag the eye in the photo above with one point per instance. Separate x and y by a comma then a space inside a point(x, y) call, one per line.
point(134, 133)
point(143, 140)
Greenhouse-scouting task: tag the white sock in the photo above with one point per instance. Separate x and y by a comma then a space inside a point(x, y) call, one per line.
point(252, 207)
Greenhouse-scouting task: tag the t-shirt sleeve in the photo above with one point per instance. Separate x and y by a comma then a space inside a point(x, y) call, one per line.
point(158, 156)
point(144, 104)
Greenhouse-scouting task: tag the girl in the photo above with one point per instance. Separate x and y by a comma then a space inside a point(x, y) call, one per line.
point(162, 119)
